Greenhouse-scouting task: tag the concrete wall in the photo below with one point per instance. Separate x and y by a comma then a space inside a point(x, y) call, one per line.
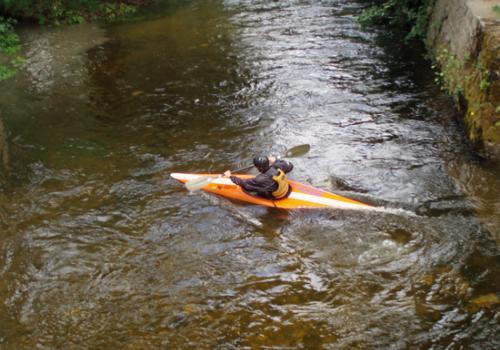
point(464, 37)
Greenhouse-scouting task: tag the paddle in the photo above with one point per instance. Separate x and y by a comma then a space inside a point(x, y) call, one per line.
point(201, 182)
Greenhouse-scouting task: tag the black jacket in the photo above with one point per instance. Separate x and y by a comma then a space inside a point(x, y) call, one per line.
point(263, 184)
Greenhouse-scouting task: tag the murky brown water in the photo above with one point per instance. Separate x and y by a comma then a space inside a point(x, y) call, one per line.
point(99, 249)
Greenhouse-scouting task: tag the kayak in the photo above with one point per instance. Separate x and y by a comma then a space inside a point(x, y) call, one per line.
point(301, 196)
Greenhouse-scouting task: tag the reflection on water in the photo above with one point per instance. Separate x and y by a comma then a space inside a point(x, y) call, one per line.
point(55, 56)
point(100, 249)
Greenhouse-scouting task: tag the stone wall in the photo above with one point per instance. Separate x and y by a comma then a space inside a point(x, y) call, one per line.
point(464, 37)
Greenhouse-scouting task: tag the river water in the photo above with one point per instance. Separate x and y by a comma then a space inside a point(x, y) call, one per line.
point(100, 249)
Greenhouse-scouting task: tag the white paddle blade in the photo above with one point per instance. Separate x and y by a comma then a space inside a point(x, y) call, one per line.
point(199, 183)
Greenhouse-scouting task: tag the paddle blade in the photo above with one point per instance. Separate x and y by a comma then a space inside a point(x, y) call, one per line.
point(199, 183)
point(297, 151)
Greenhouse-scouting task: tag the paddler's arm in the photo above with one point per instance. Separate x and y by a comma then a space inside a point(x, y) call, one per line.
point(284, 165)
point(248, 184)
point(234, 179)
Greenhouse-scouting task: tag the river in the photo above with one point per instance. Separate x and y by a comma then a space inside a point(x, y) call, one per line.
point(101, 249)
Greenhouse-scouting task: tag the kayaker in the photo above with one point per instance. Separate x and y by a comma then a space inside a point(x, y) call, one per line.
point(271, 182)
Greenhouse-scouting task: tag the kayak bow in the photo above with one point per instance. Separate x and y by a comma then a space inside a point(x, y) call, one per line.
point(302, 196)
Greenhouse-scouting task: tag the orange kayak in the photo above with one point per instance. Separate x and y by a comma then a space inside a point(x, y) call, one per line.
point(302, 196)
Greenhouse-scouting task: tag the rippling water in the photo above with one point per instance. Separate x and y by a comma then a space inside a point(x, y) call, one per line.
point(100, 249)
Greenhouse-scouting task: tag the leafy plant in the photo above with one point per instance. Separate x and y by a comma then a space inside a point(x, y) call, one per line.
point(9, 41)
point(412, 15)
point(485, 83)
point(6, 72)
point(68, 11)
point(9, 45)
point(496, 9)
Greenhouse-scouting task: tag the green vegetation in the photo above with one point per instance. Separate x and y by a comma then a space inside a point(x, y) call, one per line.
point(496, 9)
point(449, 67)
point(484, 84)
point(68, 11)
point(9, 45)
point(450, 74)
point(410, 15)
point(9, 41)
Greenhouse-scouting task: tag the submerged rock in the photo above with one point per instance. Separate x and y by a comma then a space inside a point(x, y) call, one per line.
point(485, 301)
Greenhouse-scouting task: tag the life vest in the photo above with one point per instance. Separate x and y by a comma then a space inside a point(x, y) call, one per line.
point(283, 186)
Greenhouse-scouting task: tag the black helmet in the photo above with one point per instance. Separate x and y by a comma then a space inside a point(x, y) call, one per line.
point(261, 163)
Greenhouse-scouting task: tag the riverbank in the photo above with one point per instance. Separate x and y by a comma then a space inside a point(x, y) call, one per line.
point(464, 38)
point(67, 12)
point(52, 13)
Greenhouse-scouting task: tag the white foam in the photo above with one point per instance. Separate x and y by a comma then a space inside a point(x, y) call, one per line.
point(395, 211)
